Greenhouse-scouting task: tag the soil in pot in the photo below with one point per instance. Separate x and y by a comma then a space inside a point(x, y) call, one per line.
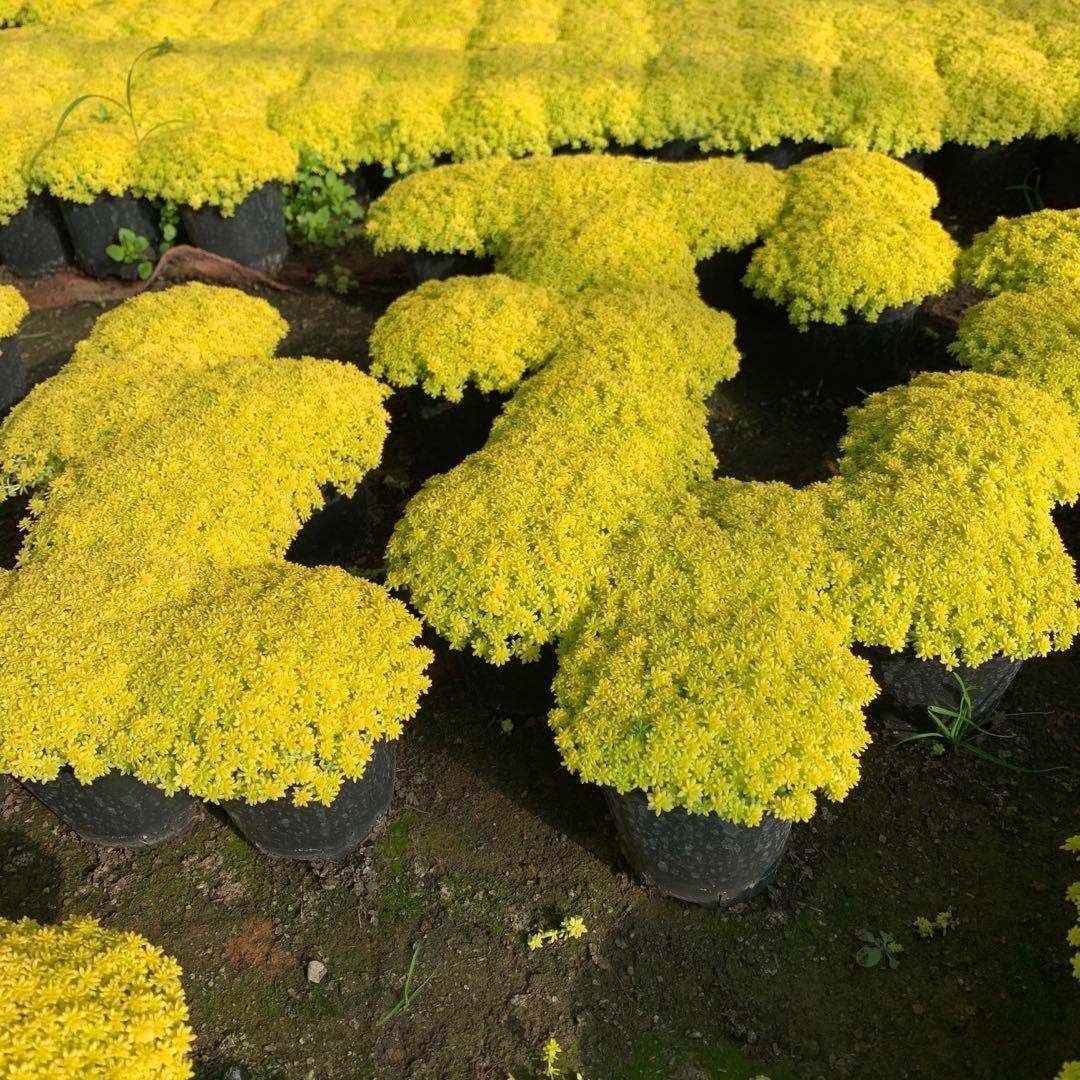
point(253, 236)
point(443, 433)
point(34, 242)
point(12, 373)
point(421, 266)
point(93, 227)
point(116, 810)
point(316, 832)
point(515, 688)
point(701, 858)
point(909, 686)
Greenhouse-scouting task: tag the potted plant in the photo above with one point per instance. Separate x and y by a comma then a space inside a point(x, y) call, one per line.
point(188, 655)
point(941, 515)
point(33, 241)
point(13, 309)
point(852, 253)
point(83, 1001)
point(709, 693)
point(226, 176)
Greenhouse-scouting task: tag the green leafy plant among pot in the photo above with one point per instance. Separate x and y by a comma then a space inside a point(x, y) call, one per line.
point(321, 208)
point(172, 461)
point(82, 1001)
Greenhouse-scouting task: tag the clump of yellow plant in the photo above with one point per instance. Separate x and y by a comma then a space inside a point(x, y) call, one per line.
point(213, 163)
point(854, 237)
point(1073, 895)
point(81, 1002)
point(940, 519)
point(152, 624)
point(1032, 335)
point(500, 552)
point(576, 222)
point(13, 309)
point(1017, 254)
point(596, 296)
point(702, 674)
point(570, 929)
point(86, 160)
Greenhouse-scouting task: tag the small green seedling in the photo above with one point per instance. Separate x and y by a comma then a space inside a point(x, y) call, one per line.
point(956, 729)
point(878, 947)
point(410, 993)
point(1032, 192)
point(320, 207)
point(340, 280)
point(942, 924)
point(132, 249)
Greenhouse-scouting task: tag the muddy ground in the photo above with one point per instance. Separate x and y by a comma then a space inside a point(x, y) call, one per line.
point(488, 838)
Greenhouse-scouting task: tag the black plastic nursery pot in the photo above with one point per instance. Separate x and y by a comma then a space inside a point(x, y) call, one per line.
point(117, 810)
point(92, 227)
point(866, 355)
point(515, 688)
point(444, 433)
point(12, 373)
point(421, 266)
point(34, 242)
point(909, 685)
point(316, 832)
point(701, 858)
point(253, 236)
point(786, 152)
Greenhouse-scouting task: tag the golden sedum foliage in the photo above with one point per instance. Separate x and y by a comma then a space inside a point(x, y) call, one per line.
point(84, 1003)
point(13, 309)
point(218, 164)
point(487, 331)
point(408, 82)
point(502, 551)
point(574, 222)
point(1073, 895)
point(1016, 254)
point(941, 519)
point(855, 236)
point(701, 673)
point(85, 161)
point(1032, 335)
point(152, 624)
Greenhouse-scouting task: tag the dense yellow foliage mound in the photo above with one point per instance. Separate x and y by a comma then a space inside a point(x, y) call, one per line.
point(84, 1003)
point(1016, 254)
point(407, 82)
point(702, 674)
point(152, 624)
point(854, 237)
point(13, 309)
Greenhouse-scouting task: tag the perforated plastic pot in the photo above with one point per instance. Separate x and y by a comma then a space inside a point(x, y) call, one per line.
point(316, 832)
point(34, 242)
point(254, 235)
point(117, 810)
point(12, 373)
point(424, 266)
point(910, 685)
point(701, 858)
point(92, 227)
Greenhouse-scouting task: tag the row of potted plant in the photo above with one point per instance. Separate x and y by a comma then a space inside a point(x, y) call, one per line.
point(81, 1001)
point(927, 589)
point(157, 648)
point(908, 76)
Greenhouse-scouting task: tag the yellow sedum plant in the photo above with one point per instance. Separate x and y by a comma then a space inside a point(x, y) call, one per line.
point(214, 164)
point(84, 1003)
point(701, 673)
point(13, 309)
point(152, 624)
point(940, 518)
point(854, 237)
point(1032, 335)
point(1017, 254)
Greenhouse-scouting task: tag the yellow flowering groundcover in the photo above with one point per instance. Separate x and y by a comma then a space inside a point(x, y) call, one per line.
point(81, 1001)
point(152, 624)
point(13, 309)
point(403, 83)
point(1017, 254)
